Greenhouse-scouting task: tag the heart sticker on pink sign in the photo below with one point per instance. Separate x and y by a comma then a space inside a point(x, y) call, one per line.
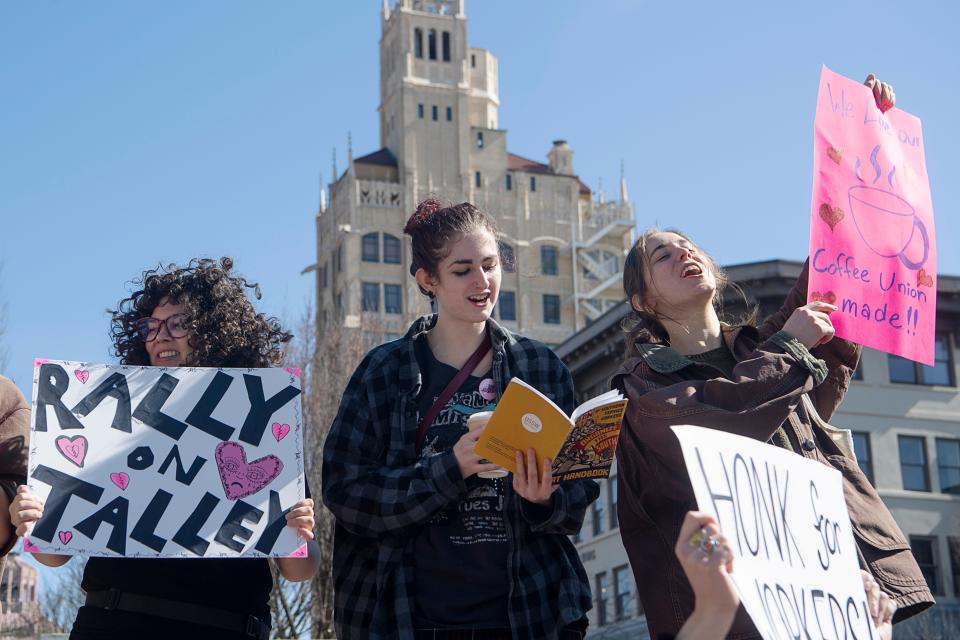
point(73, 449)
point(280, 431)
point(121, 479)
point(241, 478)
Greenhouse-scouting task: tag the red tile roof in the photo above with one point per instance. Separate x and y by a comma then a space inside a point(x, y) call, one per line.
point(519, 163)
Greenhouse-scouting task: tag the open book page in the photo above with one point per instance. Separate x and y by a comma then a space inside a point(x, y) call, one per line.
point(589, 449)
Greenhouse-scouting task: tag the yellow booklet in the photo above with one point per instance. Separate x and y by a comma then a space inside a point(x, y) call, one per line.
point(581, 445)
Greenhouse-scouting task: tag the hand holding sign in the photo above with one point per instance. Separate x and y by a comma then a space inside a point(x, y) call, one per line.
point(707, 560)
point(787, 521)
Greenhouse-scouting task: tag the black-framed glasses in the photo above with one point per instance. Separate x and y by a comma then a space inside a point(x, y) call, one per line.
point(149, 328)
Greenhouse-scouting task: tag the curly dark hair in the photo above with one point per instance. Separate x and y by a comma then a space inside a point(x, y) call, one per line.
point(225, 329)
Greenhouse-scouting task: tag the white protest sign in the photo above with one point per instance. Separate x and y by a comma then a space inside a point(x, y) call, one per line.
point(785, 517)
point(165, 462)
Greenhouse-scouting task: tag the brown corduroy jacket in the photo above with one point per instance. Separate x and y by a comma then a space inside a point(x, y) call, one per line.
point(773, 372)
point(14, 432)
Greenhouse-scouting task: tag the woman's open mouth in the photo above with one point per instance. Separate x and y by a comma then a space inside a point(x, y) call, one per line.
point(479, 300)
point(691, 271)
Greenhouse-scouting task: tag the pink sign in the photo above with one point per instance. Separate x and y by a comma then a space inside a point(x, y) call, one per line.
point(873, 249)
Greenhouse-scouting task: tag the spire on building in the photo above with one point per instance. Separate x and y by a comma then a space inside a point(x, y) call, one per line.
point(623, 184)
point(601, 198)
point(323, 196)
point(385, 10)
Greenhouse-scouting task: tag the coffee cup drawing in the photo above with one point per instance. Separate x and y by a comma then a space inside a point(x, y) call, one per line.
point(889, 225)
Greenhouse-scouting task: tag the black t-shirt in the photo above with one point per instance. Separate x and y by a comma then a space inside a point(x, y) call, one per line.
point(460, 571)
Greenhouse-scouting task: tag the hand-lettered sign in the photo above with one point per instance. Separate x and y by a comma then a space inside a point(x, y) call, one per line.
point(785, 517)
point(872, 242)
point(165, 462)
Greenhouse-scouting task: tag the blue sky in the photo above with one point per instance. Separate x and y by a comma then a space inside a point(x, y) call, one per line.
point(138, 133)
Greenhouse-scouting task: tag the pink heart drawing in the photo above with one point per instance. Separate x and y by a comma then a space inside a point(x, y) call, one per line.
point(241, 478)
point(294, 370)
point(280, 431)
point(82, 375)
point(299, 553)
point(73, 449)
point(120, 479)
point(65, 536)
point(29, 547)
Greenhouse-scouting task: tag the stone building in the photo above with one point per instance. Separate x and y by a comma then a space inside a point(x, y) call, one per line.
point(905, 419)
point(440, 134)
point(18, 596)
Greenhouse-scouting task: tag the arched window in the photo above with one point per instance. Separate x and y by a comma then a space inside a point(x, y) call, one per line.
point(508, 260)
point(370, 247)
point(432, 43)
point(391, 249)
point(446, 46)
point(418, 42)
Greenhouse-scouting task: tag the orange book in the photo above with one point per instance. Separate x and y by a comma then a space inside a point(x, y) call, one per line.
point(581, 445)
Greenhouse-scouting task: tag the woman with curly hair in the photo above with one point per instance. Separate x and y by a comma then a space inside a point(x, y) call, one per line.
point(198, 315)
point(427, 545)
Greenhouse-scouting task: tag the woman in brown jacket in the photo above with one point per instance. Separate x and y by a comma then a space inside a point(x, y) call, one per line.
point(685, 367)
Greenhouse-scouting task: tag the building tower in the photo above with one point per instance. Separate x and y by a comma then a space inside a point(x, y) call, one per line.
point(440, 135)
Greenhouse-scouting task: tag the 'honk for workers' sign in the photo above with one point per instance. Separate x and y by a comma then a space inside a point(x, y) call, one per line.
point(165, 462)
point(785, 517)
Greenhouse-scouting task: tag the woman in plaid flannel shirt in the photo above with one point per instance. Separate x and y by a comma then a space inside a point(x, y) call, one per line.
point(424, 548)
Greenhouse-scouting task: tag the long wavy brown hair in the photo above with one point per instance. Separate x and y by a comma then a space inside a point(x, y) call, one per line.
point(225, 328)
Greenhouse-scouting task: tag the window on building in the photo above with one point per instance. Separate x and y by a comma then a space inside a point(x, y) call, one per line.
point(598, 516)
point(370, 245)
point(322, 277)
point(533, 183)
point(473, 61)
point(925, 552)
point(861, 447)
point(432, 44)
point(551, 308)
point(548, 260)
point(622, 588)
point(477, 179)
point(391, 249)
point(420, 111)
point(507, 258)
point(509, 182)
point(338, 304)
point(479, 139)
point(913, 463)
point(953, 543)
point(434, 111)
point(371, 296)
point(613, 497)
point(445, 39)
point(449, 114)
point(948, 464)
point(601, 586)
point(910, 372)
point(507, 306)
point(392, 298)
point(418, 42)
point(339, 259)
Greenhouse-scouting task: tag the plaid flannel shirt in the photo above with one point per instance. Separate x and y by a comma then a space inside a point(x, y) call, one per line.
point(382, 495)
